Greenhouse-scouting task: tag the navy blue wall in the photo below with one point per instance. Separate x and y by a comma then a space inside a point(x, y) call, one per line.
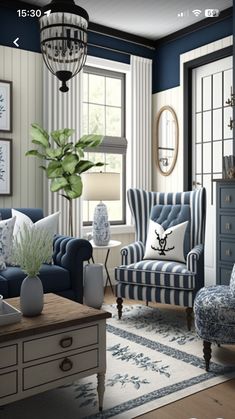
point(166, 65)
point(27, 29)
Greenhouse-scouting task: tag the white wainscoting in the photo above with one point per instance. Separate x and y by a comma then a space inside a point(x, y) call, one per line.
point(174, 97)
point(24, 69)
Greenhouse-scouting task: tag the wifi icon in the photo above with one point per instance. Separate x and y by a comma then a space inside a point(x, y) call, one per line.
point(196, 12)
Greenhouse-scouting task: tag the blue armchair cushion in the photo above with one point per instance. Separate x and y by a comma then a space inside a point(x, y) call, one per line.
point(155, 273)
point(53, 277)
point(171, 215)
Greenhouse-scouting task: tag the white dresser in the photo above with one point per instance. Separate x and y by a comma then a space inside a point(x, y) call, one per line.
point(65, 343)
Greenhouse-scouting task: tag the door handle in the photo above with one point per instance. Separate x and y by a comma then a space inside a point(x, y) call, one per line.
point(227, 226)
point(228, 252)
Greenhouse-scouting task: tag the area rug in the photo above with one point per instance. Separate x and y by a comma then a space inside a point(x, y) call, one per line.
point(152, 360)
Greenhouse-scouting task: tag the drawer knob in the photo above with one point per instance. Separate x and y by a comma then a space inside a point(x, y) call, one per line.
point(228, 198)
point(66, 365)
point(228, 252)
point(66, 342)
point(227, 226)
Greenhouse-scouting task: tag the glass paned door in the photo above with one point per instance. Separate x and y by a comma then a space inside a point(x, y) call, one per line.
point(212, 139)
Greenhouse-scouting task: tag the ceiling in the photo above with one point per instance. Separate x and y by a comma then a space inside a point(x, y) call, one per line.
point(152, 19)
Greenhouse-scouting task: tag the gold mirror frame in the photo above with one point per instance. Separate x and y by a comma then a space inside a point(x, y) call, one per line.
point(156, 147)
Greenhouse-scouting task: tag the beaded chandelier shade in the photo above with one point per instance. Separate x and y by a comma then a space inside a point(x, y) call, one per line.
point(63, 38)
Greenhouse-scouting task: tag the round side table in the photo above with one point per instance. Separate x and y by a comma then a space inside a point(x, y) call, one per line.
point(108, 247)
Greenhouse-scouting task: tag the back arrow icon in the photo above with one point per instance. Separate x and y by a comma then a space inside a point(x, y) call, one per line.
point(15, 42)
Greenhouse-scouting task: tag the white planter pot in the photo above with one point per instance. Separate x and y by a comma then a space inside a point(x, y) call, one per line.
point(93, 285)
point(31, 296)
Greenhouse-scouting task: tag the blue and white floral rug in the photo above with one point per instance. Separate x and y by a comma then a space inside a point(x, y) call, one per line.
point(152, 360)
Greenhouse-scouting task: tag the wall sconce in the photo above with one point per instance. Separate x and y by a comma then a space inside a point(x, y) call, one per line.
point(231, 100)
point(231, 123)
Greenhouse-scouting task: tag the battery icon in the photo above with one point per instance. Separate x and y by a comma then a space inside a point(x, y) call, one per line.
point(212, 12)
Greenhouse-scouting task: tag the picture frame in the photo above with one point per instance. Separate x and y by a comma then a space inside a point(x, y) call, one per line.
point(5, 106)
point(5, 166)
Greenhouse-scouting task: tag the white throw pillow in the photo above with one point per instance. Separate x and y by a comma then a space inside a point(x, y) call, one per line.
point(49, 223)
point(165, 244)
point(6, 237)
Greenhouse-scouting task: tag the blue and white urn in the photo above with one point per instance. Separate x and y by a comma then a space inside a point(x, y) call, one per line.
point(101, 226)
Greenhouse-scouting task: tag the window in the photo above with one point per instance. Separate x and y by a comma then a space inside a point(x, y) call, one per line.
point(104, 113)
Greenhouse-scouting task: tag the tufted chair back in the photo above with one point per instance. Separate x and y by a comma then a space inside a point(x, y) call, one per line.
point(141, 203)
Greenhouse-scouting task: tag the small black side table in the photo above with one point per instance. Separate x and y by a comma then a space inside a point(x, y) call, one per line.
point(108, 247)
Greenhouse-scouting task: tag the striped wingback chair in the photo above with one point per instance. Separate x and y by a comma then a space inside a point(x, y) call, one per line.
point(167, 282)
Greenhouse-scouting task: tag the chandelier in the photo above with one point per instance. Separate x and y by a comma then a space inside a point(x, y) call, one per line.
point(63, 39)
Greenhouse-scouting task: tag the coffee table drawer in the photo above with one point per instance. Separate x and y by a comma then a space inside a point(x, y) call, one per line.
point(8, 384)
point(59, 343)
point(8, 356)
point(47, 372)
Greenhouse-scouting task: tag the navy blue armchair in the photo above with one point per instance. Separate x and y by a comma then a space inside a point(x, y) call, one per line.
point(64, 277)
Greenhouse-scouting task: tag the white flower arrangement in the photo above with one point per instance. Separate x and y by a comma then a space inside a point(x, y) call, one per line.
point(31, 249)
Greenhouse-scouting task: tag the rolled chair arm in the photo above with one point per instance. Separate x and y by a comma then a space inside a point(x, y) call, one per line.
point(194, 257)
point(132, 253)
point(70, 253)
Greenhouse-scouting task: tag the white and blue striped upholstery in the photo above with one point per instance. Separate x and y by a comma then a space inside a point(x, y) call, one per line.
point(162, 281)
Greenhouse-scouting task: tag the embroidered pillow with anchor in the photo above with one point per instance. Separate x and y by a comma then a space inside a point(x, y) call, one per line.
point(165, 244)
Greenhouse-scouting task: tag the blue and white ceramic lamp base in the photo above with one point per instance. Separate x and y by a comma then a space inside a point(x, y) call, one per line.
point(101, 226)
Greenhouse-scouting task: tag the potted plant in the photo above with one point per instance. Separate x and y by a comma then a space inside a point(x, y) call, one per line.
point(64, 160)
point(31, 248)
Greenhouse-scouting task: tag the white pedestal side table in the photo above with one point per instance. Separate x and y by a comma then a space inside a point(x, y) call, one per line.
point(108, 247)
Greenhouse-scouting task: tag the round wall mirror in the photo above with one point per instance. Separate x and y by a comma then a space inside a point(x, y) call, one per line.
point(166, 149)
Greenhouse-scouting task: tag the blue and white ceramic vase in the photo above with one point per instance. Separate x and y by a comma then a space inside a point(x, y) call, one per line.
point(31, 296)
point(101, 226)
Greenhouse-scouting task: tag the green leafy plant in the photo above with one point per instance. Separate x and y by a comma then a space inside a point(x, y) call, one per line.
point(63, 160)
point(31, 248)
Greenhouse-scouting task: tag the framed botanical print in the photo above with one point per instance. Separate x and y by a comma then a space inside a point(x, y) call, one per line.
point(5, 106)
point(5, 166)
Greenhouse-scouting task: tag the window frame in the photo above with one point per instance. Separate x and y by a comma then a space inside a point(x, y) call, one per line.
point(120, 145)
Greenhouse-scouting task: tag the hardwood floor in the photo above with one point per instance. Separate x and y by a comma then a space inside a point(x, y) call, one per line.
point(216, 402)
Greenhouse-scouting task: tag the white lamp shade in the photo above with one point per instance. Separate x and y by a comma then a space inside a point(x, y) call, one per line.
point(101, 186)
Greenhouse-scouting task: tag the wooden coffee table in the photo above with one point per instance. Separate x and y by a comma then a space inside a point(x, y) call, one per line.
point(65, 343)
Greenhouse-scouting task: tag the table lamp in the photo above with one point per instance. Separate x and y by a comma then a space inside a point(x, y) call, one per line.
point(103, 186)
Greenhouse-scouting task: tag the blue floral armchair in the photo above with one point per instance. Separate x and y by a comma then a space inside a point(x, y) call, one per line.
point(167, 282)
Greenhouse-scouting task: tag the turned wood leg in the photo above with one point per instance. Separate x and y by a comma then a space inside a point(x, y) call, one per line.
point(147, 303)
point(207, 353)
point(189, 312)
point(119, 307)
point(100, 389)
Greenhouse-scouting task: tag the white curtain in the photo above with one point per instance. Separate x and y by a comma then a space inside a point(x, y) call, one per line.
point(62, 110)
point(141, 93)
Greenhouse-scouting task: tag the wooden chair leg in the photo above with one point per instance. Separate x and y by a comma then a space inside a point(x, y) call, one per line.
point(147, 303)
point(207, 353)
point(189, 312)
point(119, 307)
